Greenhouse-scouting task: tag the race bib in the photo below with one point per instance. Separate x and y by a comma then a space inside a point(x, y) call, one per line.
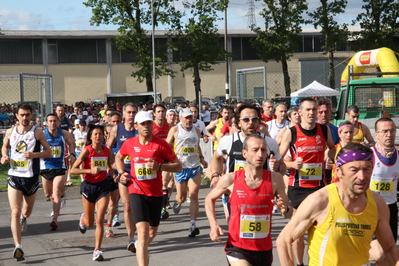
point(380, 186)
point(143, 173)
point(310, 171)
point(127, 160)
point(20, 165)
point(254, 226)
point(100, 162)
point(239, 164)
point(189, 149)
point(55, 151)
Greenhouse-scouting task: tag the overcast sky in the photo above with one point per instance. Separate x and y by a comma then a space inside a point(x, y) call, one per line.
point(73, 15)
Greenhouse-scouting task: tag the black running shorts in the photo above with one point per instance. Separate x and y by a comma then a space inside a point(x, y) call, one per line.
point(49, 174)
point(28, 185)
point(112, 185)
point(94, 191)
point(146, 209)
point(261, 258)
point(297, 194)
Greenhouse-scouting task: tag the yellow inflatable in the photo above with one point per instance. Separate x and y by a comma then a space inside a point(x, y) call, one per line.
point(384, 58)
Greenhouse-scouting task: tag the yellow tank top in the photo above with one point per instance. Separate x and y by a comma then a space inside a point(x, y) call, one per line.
point(343, 238)
point(359, 137)
point(217, 132)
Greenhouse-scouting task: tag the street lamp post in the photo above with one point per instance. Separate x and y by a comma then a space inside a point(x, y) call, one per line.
point(154, 82)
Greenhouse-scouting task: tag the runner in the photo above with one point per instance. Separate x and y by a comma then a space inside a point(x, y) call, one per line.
point(307, 142)
point(218, 125)
point(185, 139)
point(53, 169)
point(249, 238)
point(342, 217)
point(96, 160)
point(119, 134)
point(22, 143)
point(361, 131)
point(275, 125)
point(248, 117)
point(145, 180)
point(268, 107)
point(384, 179)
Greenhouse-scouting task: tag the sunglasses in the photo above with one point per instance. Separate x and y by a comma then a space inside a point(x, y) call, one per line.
point(247, 119)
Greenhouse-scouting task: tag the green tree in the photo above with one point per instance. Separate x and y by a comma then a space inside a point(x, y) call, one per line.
point(196, 43)
point(279, 39)
point(379, 23)
point(333, 33)
point(130, 16)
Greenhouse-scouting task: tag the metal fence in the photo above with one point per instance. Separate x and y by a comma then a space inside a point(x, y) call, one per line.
point(35, 89)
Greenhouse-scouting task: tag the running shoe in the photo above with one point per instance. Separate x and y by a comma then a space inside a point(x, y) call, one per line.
point(63, 201)
point(193, 231)
point(131, 246)
point(82, 227)
point(68, 183)
point(164, 214)
point(168, 205)
point(115, 221)
point(109, 232)
point(98, 255)
point(24, 224)
point(176, 207)
point(54, 225)
point(19, 253)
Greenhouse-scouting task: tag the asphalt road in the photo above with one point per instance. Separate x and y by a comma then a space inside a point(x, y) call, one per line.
point(67, 246)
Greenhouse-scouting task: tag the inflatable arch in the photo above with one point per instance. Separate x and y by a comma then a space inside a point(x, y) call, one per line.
point(384, 58)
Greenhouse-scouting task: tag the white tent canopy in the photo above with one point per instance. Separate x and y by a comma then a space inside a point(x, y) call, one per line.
point(315, 89)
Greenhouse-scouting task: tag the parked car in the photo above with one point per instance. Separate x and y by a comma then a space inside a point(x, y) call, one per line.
point(172, 100)
point(212, 105)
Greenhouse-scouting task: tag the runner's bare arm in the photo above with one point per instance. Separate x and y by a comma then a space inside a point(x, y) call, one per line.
point(282, 200)
point(368, 136)
point(39, 135)
point(224, 185)
point(312, 209)
point(5, 147)
point(285, 142)
point(112, 137)
point(171, 136)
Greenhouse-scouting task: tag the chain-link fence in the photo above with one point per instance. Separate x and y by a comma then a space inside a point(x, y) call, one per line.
point(34, 89)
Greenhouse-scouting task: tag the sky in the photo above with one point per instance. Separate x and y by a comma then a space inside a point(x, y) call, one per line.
point(73, 15)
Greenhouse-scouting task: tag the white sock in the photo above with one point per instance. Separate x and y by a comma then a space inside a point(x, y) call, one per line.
point(192, 223)
point(18, 246)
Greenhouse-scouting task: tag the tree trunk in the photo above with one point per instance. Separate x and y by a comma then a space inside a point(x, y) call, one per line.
point(197, 83)
point(287, 80)
point(331, 70)
point(148, 83)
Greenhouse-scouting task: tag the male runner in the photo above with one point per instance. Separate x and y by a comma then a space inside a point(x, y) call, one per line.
point(307, 142)
point(268, 108)
point(185, 137)
point(384, 179)
point(361, 131)
point(342, 217)
point(252, 190)
point(53, 169)
point(22, 143)
point(148, 154)
point(275, 125)
point(119, 134)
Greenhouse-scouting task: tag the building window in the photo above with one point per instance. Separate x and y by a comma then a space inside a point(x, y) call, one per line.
point(23, 51)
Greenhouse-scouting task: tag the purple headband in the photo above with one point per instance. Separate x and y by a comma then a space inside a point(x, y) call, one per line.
point(351, 156)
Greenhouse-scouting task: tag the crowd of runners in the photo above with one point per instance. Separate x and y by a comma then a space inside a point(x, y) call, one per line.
point(337, 184)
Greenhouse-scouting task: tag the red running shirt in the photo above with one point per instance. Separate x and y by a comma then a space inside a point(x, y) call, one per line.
point(251, 213)
point(100, 160)
point(146, 181)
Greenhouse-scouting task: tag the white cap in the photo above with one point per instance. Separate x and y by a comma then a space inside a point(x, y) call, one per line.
point(185, 112)
point(171, 111)
point(77, 121)
point(143, 116)
point(85, 113)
